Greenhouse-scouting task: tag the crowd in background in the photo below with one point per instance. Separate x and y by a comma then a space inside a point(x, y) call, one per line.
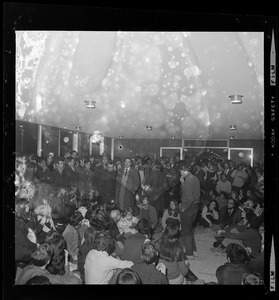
point(94, 220)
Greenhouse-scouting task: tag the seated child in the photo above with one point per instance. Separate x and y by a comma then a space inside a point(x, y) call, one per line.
point(127, 222)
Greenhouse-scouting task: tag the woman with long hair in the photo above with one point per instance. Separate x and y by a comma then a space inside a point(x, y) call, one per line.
point(87, 245)
point(171, 254)
point(171, 213)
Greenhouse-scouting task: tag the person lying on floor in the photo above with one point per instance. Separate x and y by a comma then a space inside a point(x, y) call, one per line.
point(249, 237)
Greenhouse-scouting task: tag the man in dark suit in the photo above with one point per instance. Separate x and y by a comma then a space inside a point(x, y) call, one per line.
point(69, 175)
point(127, 183)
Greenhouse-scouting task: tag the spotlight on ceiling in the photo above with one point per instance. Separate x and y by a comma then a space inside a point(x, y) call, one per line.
point(148, 128)
point(78, 128)
point(121, 137)
point(231, 137)
point(232, 127)
point(90, 103)
point(173, 137)
point(236, 99)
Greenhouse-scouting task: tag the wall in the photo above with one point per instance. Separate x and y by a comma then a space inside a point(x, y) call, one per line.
point(141, 147)
point(26, 142)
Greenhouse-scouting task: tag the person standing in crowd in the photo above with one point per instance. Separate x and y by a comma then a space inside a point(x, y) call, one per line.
point(127, 183)
point(223, 185)
point(239, 177)
point(69, 175)
point(56, 174)
point(157, 182)
point(86, 178)
point(190, 202)
point(42, 173)
point(106, 185)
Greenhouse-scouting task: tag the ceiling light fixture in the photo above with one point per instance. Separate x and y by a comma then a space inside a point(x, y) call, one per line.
point(149, 128)
point(121, 137)
point(231, 137)
point(236, 99)
point(90, 103)
point(232, 127)
point(78, 128)
point(173, 137)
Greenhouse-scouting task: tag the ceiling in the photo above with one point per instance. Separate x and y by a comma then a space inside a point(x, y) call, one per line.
point(177, 82)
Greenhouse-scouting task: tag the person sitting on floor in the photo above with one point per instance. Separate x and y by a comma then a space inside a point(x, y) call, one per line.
point(171, 213)
point(148, 212)
point(247, 236)
point(128, 276)
point(99, 265)
point(71, 235)
point(133, 243)
point(127, 222)
point(171, 254)
point(232, 271)
point(209, 214)
point(146, 269)
point(40, 259)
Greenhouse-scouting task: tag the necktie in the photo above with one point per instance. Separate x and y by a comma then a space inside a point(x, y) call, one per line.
point(126, 171)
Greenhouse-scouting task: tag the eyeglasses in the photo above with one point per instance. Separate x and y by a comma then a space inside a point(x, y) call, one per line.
point(230, 202)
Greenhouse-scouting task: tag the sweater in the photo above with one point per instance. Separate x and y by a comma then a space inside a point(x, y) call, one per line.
point(149, 274)
point(231, 274)
point(190, 191)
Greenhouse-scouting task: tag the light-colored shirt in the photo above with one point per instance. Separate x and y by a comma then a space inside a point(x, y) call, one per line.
point(99, 267)
point(125, 226)
point(223, 187)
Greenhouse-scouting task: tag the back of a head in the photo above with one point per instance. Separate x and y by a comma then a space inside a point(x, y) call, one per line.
point(104, 242)
point(184, 165)
point(172, 231)
point(128, 276)
point(75, 218)
point(143, 226)
point(251, 218)
point(38, 280)
point(41, 256)
point(149, 253)
point(237, 254)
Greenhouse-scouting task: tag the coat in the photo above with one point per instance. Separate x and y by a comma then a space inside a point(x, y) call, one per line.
point(128, 191)
point(158, 184)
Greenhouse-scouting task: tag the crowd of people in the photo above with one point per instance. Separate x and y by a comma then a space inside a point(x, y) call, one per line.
point(94, 220)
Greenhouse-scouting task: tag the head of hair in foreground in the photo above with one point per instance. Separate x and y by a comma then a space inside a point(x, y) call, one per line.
point(237, 254)
point(128, 276)
point(149, 253)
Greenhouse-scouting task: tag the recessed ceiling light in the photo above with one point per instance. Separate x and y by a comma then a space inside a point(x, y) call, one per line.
point(232, 127)
point(236, 99)
point(90, 103)
point(121, 136)
point(173, 137)
point(78, 128)
point(231, 137)
point(149, 128)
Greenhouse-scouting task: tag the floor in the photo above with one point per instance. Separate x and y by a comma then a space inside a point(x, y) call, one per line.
point(204, 266)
